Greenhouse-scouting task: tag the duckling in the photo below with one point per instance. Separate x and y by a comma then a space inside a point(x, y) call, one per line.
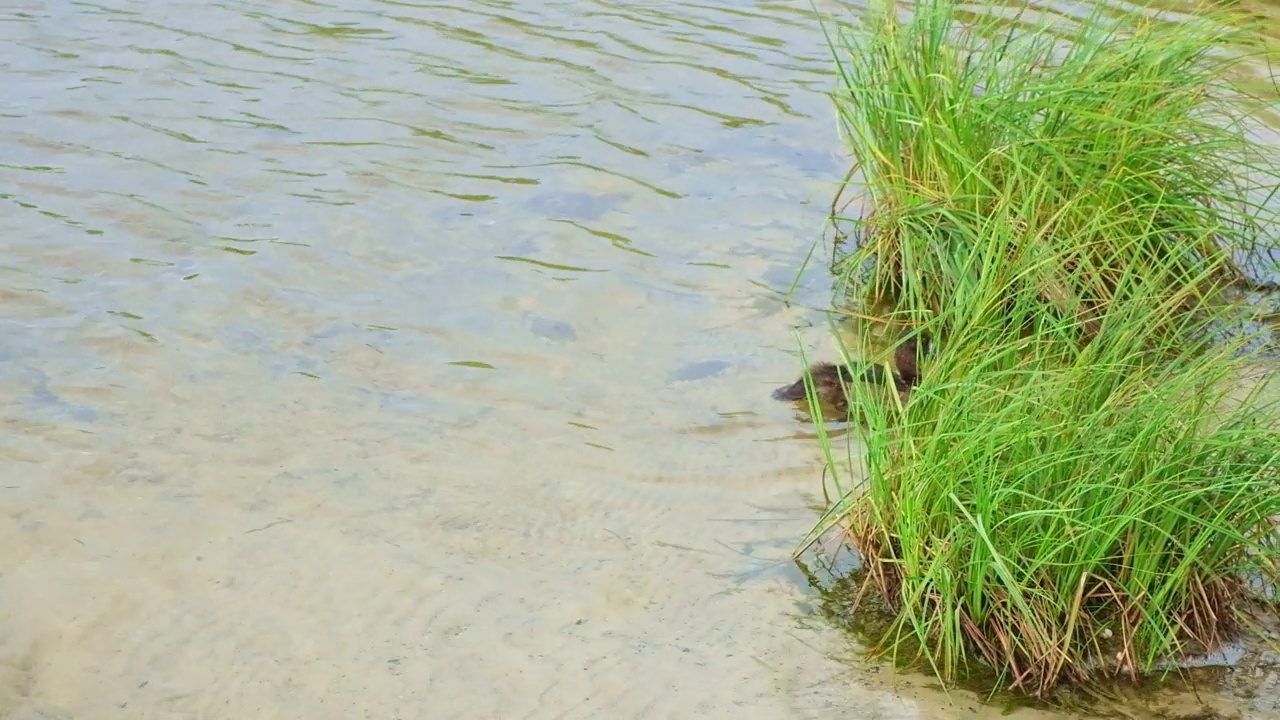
point(830, 379)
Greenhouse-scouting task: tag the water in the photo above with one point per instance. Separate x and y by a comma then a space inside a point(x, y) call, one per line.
point(395, 359)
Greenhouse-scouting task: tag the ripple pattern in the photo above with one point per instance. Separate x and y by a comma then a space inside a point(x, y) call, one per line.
point(411, 358)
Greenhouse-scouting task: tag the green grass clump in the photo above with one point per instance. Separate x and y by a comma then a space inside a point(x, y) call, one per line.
point(1065, 512)
point(1081, 484)
point(1120, 130)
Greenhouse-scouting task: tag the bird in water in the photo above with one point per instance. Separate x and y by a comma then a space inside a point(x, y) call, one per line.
point(830, 379)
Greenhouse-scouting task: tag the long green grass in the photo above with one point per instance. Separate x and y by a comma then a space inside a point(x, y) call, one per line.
point(1062, 511)
point(1081, 485)
point(945, 120)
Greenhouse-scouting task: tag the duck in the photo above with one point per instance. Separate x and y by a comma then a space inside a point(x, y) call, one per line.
point(831, 379)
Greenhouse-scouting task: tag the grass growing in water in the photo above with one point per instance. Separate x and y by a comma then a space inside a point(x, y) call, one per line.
point(1077, 486)
point(1065, 511)
point(945, 123)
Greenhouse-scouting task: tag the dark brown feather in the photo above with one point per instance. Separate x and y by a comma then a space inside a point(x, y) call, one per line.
point(830, 379)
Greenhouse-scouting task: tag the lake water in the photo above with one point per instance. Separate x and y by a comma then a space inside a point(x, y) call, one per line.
point(412, 359)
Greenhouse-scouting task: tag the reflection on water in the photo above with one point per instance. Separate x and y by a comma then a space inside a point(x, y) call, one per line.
point(372, 357)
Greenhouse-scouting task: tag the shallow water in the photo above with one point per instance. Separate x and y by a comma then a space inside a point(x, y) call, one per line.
point(395, 359)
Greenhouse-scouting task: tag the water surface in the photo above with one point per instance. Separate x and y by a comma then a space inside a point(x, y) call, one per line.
point(411, 359)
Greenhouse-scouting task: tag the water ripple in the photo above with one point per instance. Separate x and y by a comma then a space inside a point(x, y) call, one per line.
point(478, 297)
